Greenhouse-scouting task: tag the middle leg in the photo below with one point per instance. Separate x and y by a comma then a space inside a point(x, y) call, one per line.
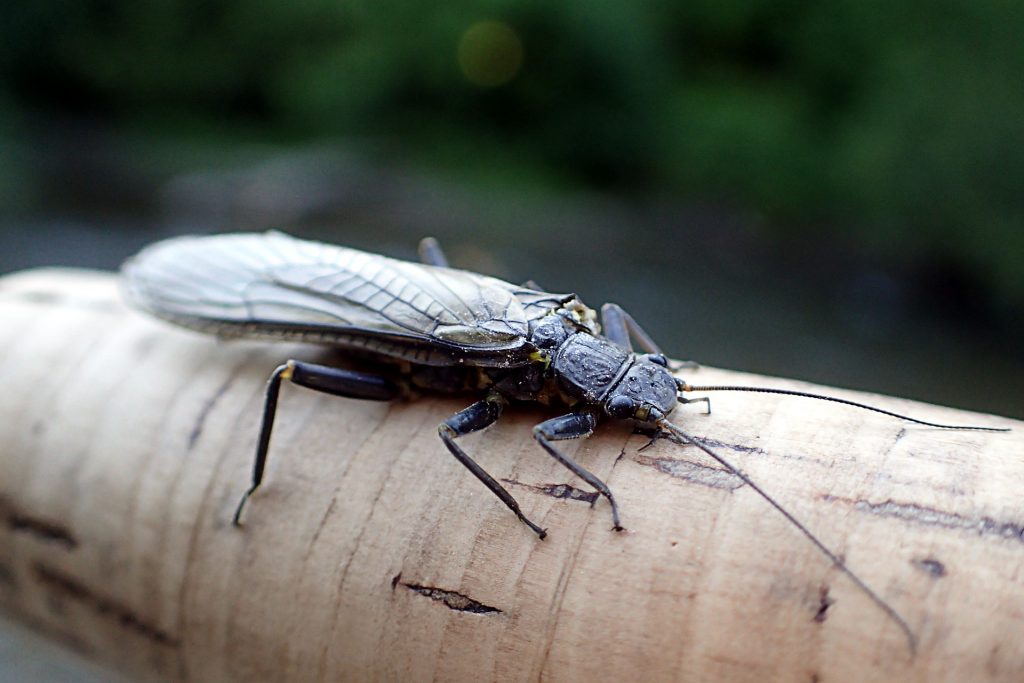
point(472, 419)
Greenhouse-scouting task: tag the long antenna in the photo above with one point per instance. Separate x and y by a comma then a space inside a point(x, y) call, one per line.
point(839, 564)
point(683, 386)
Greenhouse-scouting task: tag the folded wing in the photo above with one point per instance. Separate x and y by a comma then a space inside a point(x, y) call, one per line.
point(275, 286)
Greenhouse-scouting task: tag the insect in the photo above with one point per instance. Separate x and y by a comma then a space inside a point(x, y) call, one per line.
point(440, 329)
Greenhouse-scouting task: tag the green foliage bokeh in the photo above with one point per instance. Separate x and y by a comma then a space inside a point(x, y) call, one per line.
point(897, 125)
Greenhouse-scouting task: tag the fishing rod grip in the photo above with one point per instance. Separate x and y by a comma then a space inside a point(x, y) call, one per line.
point(369, 553)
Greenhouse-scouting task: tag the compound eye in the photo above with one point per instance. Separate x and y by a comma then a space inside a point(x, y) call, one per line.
point(620, 407)
point(658, 358)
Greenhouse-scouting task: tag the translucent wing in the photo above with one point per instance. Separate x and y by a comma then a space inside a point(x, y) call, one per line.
point(275, 286)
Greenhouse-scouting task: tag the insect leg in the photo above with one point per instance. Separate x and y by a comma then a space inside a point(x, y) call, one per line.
point(613, 324)
point(321, 378)
point(703, 399)
point(431, 253)
point(620, 327)
point(472, 419)
point(574, 426)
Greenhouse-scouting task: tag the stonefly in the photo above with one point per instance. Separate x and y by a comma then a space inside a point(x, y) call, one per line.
point(436, 328)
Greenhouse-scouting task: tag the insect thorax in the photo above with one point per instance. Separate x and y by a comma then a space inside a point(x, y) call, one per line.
point(587, 367)
point(569, 364)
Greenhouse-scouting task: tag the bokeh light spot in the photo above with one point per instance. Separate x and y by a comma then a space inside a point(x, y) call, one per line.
point(490, 53)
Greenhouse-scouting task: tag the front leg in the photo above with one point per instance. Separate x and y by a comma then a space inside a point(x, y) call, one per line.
point(574, 426)
point(621, 328)
point(472, 419)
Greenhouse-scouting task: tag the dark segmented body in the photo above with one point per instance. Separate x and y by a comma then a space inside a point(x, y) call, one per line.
point(449, 330)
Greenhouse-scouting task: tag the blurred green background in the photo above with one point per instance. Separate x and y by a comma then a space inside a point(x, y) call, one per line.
point(823, 190)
